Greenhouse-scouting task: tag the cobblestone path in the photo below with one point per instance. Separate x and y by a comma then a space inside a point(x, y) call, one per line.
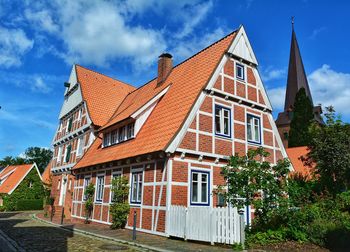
point(33, 235)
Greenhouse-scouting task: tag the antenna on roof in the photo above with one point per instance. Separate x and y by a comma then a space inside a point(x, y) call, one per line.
point(292, 22)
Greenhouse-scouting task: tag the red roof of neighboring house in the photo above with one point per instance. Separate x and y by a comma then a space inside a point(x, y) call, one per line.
point(46, 176)
point(295, 155)
point(101, 93)
point(12, 176)
point(186, 81)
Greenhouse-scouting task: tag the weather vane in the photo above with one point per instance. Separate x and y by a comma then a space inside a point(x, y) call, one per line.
point(292, 22)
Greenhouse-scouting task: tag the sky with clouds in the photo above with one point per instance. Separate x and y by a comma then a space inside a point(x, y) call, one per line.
point(40, 40)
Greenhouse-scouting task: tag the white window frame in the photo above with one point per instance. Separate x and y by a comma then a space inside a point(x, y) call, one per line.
point(106, 139)
point(138, 171)
point(59, 154)
point(256, 123)
point(100, 188)
point(85, 184)
point(238, 65)
point(79, 115)
point(132, 127)
point(113, 175)
point(199, 201)
point(222, 121)
point(59, 184)
point(80, 146)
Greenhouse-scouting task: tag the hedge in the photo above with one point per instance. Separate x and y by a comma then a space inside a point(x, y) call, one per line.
point(29, 204)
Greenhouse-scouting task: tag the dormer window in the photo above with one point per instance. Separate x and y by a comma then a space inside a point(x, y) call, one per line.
point(119, 135)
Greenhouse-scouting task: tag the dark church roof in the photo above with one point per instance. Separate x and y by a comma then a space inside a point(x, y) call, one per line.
point(296, 79)
point(296, 74)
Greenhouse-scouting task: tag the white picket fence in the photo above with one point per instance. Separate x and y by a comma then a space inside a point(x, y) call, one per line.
point(215, 225)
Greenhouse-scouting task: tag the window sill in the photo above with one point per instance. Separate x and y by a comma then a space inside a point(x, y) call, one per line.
point(254, 143)
point(223, 136)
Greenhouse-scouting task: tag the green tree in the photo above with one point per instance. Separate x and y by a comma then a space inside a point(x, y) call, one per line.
point(330, 153)
point(120, 208)
point(253, 181)
point(41, 156)
point(9, 160)
point(302, 119)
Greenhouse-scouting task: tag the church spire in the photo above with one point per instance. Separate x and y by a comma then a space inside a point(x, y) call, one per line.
point(296, 73)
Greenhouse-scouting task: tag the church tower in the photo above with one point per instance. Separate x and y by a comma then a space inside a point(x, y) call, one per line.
point(296, 80)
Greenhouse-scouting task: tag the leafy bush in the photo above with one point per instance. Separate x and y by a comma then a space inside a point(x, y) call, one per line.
point(2, 208)
point(89, 204)
point(120, 208)
point(29, 204)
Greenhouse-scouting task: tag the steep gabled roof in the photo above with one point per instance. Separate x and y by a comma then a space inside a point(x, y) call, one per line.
point(296, 74)
point(13, 176)
point(101, 93)
point(186, 81)
point(46, 175)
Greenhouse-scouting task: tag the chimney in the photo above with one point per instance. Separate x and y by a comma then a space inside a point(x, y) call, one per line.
point(165, 64)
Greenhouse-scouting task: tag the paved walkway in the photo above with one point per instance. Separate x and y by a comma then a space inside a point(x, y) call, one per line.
point(154, 242)
point(20, 232)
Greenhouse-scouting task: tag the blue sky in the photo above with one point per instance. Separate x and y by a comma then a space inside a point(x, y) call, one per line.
point(40, 40)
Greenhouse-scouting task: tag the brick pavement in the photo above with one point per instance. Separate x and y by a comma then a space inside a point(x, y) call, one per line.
point(33, 235)
point(154, 241)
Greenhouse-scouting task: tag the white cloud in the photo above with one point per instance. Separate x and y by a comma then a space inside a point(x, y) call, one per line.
point(276, 96)
point(187, 48)
point(329, 87)
point(42, 19)
point(317, 31)
point(98, 32)
point(37, 83)
point(14, 44)
point(271, 73)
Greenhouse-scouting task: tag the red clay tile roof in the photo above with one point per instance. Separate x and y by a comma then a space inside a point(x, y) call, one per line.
point(46, 176)
point(187, 80)
point(101, 93)
point(295, 155)
point(17, 175)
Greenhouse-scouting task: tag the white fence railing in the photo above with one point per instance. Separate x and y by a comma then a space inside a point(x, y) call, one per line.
point(215, 225)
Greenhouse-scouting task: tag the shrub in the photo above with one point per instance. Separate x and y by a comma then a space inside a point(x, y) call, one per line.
point(89, 194)
point(29, 204)
point(120, 208)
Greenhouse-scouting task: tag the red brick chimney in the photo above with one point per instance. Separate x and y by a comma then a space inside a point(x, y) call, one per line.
point(165, 64)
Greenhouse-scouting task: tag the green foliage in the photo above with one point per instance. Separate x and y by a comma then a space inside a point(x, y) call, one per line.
point(29, 204)
point(41, 156)
point(237, 247)
point(24, 191)
point(303, 116)
point(302, 190)
point(253, 181)
point(89, 203)
point(325, 222)
point(330, 152)
point(120, 208)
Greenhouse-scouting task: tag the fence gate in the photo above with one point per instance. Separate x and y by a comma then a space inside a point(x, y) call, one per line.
point(220, 225)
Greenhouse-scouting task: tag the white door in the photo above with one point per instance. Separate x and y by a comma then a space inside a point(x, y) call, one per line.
point(63, 191)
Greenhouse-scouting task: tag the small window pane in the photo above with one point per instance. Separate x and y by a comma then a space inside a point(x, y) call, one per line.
point(217, 120)
point(204, 192)
point(194, 192)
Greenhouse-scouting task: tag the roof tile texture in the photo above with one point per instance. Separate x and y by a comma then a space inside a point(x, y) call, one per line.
point(101, 93)
point(187, 80)
point(19, 171)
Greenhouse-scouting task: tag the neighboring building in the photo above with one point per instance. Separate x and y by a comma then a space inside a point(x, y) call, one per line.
point(171, 136)
point(297, 155)
point(20, 182)
point(296, 79)
point(89, 101)
point(47, 175)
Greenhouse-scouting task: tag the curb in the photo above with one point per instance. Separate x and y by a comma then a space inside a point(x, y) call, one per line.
point(103, 237)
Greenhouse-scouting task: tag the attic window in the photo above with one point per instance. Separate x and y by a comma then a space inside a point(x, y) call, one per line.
point(239, 71)
point(119, 135)
point(30, 184)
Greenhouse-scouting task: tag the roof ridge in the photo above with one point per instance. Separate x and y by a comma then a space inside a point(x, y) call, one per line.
point(184, 61)
point(190, 57)
point(106, 76)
